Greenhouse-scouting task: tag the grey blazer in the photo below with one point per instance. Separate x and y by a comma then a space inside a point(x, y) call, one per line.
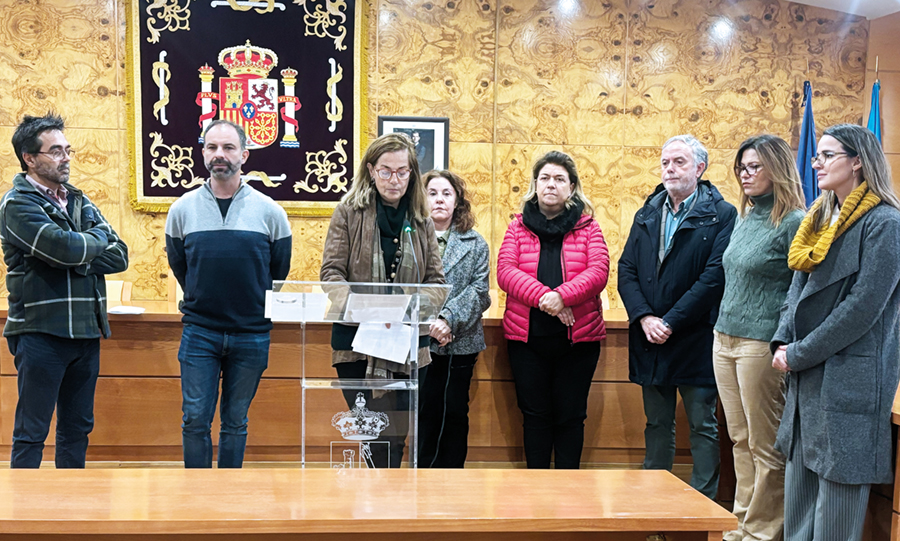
point(467, 267)
point(842, 326)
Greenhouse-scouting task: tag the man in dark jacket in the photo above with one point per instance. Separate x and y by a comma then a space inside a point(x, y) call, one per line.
point(57, 248)
point(671, 281)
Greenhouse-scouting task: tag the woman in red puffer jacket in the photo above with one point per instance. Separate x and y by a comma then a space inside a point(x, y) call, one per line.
point(553, 264)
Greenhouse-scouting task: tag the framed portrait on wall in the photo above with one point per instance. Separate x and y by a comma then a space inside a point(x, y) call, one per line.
point(430, 135)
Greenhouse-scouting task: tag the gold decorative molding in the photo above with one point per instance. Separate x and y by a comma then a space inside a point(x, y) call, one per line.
point(175, 17)
point(334, 107)
point(169, 169)
point(327, 22)
point(264, 178)
point(161, 68)
point(320, 165)
point(270, 6)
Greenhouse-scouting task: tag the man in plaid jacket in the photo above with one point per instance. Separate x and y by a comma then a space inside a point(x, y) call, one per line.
point(57, 248)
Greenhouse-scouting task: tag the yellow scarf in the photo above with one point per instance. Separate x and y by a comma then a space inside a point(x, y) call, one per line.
point(810, 247)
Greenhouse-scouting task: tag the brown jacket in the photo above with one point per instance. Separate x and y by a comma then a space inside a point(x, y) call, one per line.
point(347, 256)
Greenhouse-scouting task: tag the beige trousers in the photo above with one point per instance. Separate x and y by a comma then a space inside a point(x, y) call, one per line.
point(752, 395)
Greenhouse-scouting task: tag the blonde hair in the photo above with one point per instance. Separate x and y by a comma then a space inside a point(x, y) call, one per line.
point(859, 141)
point(565, 161)
point(362, 191)
point(777, 161)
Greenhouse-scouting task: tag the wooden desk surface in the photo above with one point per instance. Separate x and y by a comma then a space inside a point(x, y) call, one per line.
point(178, 501)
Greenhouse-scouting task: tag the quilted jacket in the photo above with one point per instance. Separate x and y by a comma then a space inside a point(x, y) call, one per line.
point(585, 264)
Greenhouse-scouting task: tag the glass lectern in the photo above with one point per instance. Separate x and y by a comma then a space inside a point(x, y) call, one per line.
point(365, 422)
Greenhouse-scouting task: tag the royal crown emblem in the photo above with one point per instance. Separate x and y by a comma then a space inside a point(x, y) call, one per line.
point(360, 424)
point(248, 96)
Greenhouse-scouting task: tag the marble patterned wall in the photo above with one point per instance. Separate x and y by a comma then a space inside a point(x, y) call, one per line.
point(606, 80)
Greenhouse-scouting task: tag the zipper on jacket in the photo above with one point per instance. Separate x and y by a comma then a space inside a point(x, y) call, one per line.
point(562, 257)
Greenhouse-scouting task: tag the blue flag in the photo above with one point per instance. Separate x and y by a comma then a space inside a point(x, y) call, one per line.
point(874, 123)
point(806, 150)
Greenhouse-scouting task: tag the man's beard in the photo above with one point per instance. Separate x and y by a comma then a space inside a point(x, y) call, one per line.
point(230, 170)
point(56, 175)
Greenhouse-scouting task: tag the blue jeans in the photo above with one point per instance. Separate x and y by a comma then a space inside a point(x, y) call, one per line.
point(659, 435)
point(59, 373)
point(240, 358)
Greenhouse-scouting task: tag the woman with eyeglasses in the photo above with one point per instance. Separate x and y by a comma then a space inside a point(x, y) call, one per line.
point(757, 278)
point(838, 340)
point(381, 232)
point(553, 265)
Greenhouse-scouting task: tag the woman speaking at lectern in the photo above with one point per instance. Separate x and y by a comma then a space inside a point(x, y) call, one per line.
point(381, 232)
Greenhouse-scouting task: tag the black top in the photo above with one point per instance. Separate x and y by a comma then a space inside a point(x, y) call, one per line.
point(224, 204)
point(550, 271)
point(390, 222)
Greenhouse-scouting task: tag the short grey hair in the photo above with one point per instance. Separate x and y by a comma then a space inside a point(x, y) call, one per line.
point(701, 155)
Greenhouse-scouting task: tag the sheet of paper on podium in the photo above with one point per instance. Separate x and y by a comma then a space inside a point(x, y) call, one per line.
point(383, 308)
point(383, 340)
point(296, 307)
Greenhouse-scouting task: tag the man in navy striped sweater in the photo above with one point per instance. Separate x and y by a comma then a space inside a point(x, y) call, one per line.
point(57, 248)
point(226, 243)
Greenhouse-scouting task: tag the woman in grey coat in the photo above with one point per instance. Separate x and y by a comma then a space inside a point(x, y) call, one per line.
point(838, 340)
point(457, 335)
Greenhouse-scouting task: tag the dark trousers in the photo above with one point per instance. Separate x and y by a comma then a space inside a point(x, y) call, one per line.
point(394, 403)
point(53, 373)
point(444, 412)
point(553, 379)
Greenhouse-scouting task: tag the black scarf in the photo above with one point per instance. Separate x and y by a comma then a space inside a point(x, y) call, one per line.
point(551, 230)
point(549, 272)
point(390, 222)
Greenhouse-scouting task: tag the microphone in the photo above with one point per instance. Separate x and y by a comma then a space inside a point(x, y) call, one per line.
point(407, 228)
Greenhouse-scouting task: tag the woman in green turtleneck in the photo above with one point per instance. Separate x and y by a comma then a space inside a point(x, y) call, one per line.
point(757, 278)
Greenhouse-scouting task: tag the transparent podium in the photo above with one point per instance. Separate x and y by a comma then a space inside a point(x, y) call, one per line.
point(368, 419)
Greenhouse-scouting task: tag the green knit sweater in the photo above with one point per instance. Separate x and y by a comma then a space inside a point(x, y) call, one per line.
point(757, 277)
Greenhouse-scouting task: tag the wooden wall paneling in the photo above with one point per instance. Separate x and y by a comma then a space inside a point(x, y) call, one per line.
point(480, 413)
point(615, 417)
point(884, 42)
point(473, 162)
point(437, 59)
point(560, 72)
point(69, 68)
point(735, 69)
point(8, 396)
point(308, 239)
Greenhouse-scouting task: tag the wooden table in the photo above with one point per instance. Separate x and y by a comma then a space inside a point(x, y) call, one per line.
point(112, 504)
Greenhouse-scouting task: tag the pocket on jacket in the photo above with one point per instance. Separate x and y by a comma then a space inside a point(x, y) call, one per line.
point(849, 384)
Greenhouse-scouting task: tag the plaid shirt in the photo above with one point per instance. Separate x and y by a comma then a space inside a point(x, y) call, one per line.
point(56, 263)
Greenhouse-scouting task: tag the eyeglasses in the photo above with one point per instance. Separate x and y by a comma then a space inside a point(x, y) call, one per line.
point(58, 153)
point(827, 156)
point(751, 169)
point(386, 174)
